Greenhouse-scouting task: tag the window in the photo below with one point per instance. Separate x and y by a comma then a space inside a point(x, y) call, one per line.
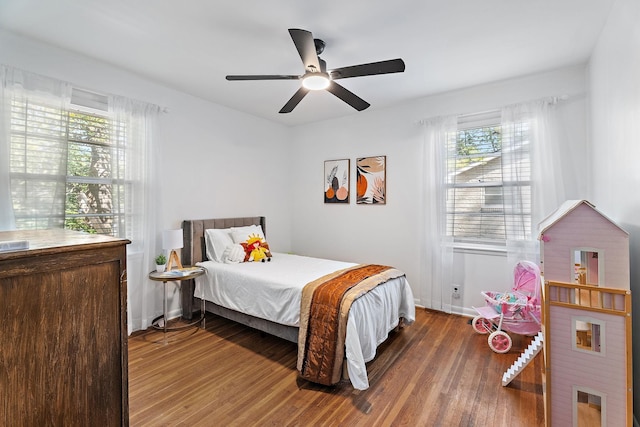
point(64, 168)
point(589, 407)
point(589, 335)
point(488, 180)
point(588, 266)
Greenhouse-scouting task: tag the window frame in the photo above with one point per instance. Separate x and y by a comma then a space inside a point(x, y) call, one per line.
point(504, 211)
point(598, 329)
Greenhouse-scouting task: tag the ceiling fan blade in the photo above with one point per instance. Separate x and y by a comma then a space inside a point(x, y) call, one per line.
point(263, 77)
point(347, 96)
point(295, 100)
point(373, 68)
point(303, 40)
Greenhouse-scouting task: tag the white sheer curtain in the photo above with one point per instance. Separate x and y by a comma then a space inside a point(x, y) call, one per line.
point(32, 180)
point(437, 247)
point(7, 220)
point(543, 139)
point(33, 172)
point(137, 170)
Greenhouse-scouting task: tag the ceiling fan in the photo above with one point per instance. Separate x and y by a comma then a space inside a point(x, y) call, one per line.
point(316, 76)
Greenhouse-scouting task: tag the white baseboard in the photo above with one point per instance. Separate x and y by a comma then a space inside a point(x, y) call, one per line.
point(462, 311)
point(448, 308)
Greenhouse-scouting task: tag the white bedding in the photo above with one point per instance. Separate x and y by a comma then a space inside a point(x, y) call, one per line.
point(272, 291)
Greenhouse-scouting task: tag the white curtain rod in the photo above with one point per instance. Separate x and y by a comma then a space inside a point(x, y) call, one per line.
point(550, 99)
point(8, 67)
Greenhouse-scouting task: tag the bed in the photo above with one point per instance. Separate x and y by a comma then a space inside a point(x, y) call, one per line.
point(248, 293)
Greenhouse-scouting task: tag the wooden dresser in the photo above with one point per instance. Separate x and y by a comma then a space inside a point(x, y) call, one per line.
point(63, 330)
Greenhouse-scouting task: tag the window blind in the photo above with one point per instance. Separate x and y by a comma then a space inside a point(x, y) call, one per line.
point(488, 179)
point(38, 158)
point(65, 168)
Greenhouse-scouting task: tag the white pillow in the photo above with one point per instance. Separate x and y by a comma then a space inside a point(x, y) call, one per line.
point(216, 241)
point(241, 234)
point(244, 228)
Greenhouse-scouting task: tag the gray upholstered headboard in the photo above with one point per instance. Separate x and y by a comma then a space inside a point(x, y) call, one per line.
point(193, 233)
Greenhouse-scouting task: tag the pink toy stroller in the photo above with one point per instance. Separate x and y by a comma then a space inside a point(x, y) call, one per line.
point(516, 311)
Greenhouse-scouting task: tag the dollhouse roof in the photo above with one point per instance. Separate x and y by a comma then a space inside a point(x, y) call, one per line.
point(566, 208)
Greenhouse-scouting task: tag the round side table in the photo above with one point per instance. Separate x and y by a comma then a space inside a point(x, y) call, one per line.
point(176, 275)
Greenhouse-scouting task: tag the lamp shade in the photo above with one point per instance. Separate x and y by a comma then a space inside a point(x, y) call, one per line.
point(172, 239)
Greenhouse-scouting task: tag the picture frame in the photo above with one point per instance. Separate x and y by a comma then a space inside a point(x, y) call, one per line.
point(371, 180)
point(336, 181)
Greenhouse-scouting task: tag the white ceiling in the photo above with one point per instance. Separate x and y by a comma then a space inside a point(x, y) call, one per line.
point(191, 45)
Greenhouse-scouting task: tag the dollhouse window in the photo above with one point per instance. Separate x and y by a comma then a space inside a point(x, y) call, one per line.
point(589, 407)
point(588, 266)
point(588, 335)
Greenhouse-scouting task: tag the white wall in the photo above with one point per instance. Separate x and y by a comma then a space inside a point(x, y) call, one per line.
point(390, 234)
point(614, 79)
point(223, 163)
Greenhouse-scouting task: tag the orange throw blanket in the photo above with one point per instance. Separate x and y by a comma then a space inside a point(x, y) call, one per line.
point(323, 318)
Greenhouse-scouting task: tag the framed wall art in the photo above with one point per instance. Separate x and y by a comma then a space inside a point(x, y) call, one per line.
point(371, 180)
point(336, 181)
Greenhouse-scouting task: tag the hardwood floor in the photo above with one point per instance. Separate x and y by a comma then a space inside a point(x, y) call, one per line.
point(436, 372)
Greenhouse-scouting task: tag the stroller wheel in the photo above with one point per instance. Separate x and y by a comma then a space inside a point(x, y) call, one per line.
point(481, 325)
point(499, 341)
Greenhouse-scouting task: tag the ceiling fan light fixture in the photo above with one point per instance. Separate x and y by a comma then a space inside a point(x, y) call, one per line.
point(317, 78)
point(316, 81)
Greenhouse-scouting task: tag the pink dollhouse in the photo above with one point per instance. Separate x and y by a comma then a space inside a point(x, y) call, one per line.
point(586, 318)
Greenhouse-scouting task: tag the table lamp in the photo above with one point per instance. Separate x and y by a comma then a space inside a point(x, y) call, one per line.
point(172, 240)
